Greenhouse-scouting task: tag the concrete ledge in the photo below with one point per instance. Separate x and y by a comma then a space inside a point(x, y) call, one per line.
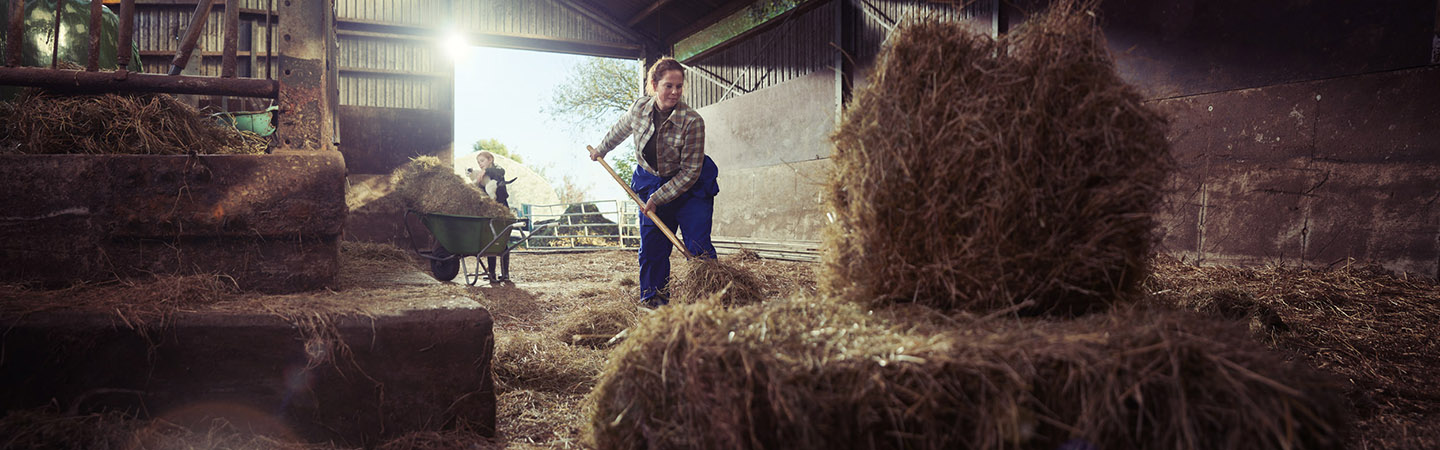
point(270, 221)
point(362, 381)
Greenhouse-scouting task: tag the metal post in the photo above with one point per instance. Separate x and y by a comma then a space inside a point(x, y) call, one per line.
point(192, 35)
point(124, 45)
point(16, 33)
point(1000, 22)
point(307, 38)
point(55, 44)
point(844, 47)
point(247, 44)
point(232, 36)
point(269, 37)
point(93, 64)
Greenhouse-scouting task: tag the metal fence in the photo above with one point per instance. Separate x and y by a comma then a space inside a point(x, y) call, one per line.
point(597, 225)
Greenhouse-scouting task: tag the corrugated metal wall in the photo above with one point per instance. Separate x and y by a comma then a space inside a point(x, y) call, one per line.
point(159, 27)
point(400, 67)
point(801, 44)
point(537, 18)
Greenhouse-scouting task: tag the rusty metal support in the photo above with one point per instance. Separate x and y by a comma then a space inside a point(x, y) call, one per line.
point(192, 35)
point(55, 44)
point(232, 35)
point(127, 34)
point(93, 63)
point(269, 37)
point(97, 82)
point(307, 39)
point(16, 33)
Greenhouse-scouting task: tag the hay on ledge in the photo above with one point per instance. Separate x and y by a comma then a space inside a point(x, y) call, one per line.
point(144, 124)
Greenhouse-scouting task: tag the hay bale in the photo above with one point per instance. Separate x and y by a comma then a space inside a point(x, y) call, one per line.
point(975, 173)
point(38, 122)
point(595, 323)
point(817, 374)
point(426, 184)
point(699, 278)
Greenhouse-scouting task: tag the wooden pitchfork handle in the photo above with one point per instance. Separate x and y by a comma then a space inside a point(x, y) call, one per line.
point(650, 214)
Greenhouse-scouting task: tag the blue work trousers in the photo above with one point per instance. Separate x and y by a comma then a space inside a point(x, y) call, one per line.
point(690, 214)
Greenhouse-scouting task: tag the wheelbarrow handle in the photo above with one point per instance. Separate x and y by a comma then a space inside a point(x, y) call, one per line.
point(650, 214)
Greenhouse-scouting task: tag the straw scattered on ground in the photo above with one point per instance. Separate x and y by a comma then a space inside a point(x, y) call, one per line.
point(975, 173)
point(1372, 328)
point(535, 361)
point(146, 124)
point(817, 374)
point(49, 429)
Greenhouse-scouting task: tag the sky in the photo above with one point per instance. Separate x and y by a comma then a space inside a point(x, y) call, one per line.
point(499, 94)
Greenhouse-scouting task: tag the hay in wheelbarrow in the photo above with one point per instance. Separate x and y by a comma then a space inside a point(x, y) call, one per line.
point(38, 122)
point(427, 185)
point(818, 374)
point(975, 173)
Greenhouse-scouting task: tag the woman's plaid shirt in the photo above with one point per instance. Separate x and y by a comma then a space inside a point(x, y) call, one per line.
point(679, 150)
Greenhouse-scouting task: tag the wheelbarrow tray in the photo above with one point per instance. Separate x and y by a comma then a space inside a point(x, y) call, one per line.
point(469, 235)
point(459, 237)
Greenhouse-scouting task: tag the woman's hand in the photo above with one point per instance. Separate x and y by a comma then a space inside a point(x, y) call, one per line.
point(594, 154)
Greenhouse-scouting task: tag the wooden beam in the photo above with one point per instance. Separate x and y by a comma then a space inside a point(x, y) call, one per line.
point(722, 12)
point(646, 13)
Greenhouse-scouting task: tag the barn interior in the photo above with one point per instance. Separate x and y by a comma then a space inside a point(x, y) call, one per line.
point(161, 294)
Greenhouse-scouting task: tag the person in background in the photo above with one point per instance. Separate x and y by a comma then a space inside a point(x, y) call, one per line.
point(492, 181)
point(673, 176)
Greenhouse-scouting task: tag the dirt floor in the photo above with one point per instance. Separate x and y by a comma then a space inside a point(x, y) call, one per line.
point(1363, 324)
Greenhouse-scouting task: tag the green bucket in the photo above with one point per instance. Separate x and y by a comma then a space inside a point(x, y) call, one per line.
point(258, 122)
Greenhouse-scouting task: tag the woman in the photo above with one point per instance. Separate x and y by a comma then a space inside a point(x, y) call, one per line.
point(673, 176)
point(492, 181)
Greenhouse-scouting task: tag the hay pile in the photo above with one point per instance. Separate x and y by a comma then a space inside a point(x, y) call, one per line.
point(425, 184)
point(975, 173)
point(699, 278)
point(143, 124)
point(815, 374)
point(596, 323)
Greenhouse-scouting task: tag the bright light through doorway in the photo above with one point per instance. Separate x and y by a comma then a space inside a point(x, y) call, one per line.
point(500, 93)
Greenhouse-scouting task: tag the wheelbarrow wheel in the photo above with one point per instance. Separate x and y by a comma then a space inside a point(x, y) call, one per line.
point(444, 270)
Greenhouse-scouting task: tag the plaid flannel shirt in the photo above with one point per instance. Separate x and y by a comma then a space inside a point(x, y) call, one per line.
point(679, 149)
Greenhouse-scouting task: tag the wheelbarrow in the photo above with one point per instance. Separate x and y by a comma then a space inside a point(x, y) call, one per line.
point(457, 237)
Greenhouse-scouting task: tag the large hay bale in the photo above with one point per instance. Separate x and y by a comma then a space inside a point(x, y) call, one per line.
point(816, 374)
point(975, 173)
point(38, 122)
